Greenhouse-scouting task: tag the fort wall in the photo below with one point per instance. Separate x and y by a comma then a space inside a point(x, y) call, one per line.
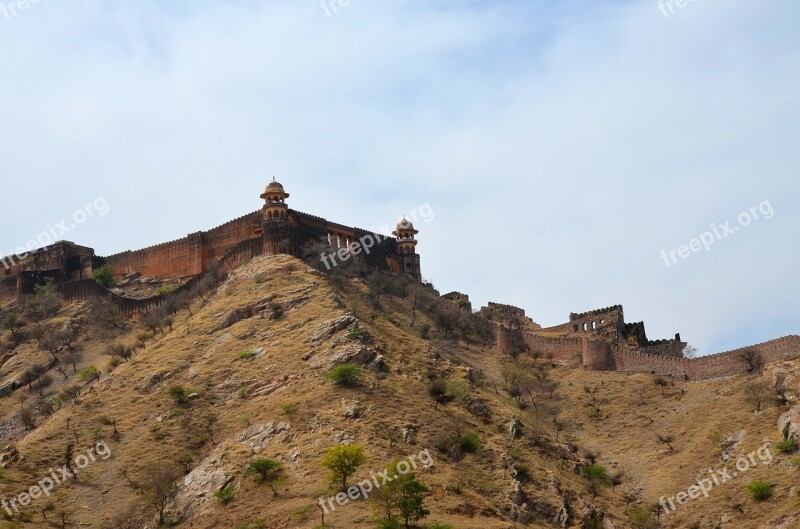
point(729, 363)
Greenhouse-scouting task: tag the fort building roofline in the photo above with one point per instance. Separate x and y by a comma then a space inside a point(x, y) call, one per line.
point(278, 228)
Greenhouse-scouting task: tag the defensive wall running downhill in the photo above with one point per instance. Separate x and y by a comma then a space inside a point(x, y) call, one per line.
point(89, 289)
point(188, 256)
point(594, 347)
point(729, 363)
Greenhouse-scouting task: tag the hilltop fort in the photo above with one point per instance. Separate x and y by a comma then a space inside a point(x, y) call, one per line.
point(596, 340)
point(274, 229)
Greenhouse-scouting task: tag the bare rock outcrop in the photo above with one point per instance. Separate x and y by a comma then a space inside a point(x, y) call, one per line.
point(789, 424)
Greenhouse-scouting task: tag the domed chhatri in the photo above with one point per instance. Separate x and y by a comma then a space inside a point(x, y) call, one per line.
point(405, 229)
point(407, 248)
point(274, 191)
point(275, 196)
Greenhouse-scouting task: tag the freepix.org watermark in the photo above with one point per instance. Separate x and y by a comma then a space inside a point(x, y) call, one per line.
point(55, 232)
point(705, 240)
point(56, 477)
point(715, 479)
point(331, 7)
point(376, 481)
point(667, 7)
point(367, 242)
point(14, 7)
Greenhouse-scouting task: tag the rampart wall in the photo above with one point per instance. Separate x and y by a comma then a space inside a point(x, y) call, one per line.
point(720, 365)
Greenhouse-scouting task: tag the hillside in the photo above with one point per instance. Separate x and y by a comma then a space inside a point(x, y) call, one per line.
point(241, 374)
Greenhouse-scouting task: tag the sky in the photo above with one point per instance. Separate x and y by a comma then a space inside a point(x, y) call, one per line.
point(570, 151)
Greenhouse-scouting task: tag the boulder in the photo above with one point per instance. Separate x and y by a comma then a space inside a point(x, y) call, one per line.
point(789, 424)
point(258, 436)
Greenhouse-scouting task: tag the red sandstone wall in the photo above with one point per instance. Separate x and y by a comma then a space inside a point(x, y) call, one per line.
point(597, 355)
point(714, 366)
point(223, 238)
point(8, 288)
point(188, 256)
point(175, 259)
point(562, 348)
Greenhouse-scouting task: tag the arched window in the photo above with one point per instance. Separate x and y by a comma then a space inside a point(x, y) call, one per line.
point(269, 215)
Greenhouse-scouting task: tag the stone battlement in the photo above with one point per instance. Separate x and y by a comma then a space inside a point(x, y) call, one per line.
point(597, 312)
point(275, 229)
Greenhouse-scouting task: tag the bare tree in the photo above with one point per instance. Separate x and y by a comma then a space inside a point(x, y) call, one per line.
point(27, 418)
point(73, 357)
point(689, 351)
point(667, 439)
point(152, 322)
point(757, 393)
point(753, 359)
point(662, 383)
point(160, 486)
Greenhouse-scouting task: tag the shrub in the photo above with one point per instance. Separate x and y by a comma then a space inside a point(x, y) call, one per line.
point(225, 495)
point(253, 524)
point(425, 332)
point(454, 489)
point(470, 443)
point(27, 418)
point(438, 391)
point(289, 408)
point(346, 374)
point(163, 291)
point(357, 333)
point(104, 276)
point(787, 447)
point(122, 351)
point(458, 390)
point(387, 523)
point(248, 355)
point(760, 490)
point(89, 373)
point(179, 394)
point(595, 472)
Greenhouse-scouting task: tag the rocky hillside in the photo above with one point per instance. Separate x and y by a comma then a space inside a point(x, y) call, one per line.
point(165, 417)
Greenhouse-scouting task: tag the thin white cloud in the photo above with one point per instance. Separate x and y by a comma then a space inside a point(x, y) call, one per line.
point(562, 145)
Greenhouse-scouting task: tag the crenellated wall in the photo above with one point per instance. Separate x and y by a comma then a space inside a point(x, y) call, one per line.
point(601, 348)
point(177, 259)
point(222, 238)
point(506, 315)
point(719, 365)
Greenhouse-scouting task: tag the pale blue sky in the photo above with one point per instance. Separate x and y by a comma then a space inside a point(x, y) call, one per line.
point(562, 145)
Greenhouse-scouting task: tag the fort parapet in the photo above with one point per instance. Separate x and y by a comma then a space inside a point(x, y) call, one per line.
point(600, 340)
point(274, 229)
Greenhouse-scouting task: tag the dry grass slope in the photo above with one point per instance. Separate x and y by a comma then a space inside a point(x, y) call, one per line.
point(260, 386)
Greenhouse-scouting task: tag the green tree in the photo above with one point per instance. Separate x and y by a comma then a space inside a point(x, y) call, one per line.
point(267, 471)
point(44, 303)
point(405, 496)
point(104, 276)
point(343, 462)
point(13, 323)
